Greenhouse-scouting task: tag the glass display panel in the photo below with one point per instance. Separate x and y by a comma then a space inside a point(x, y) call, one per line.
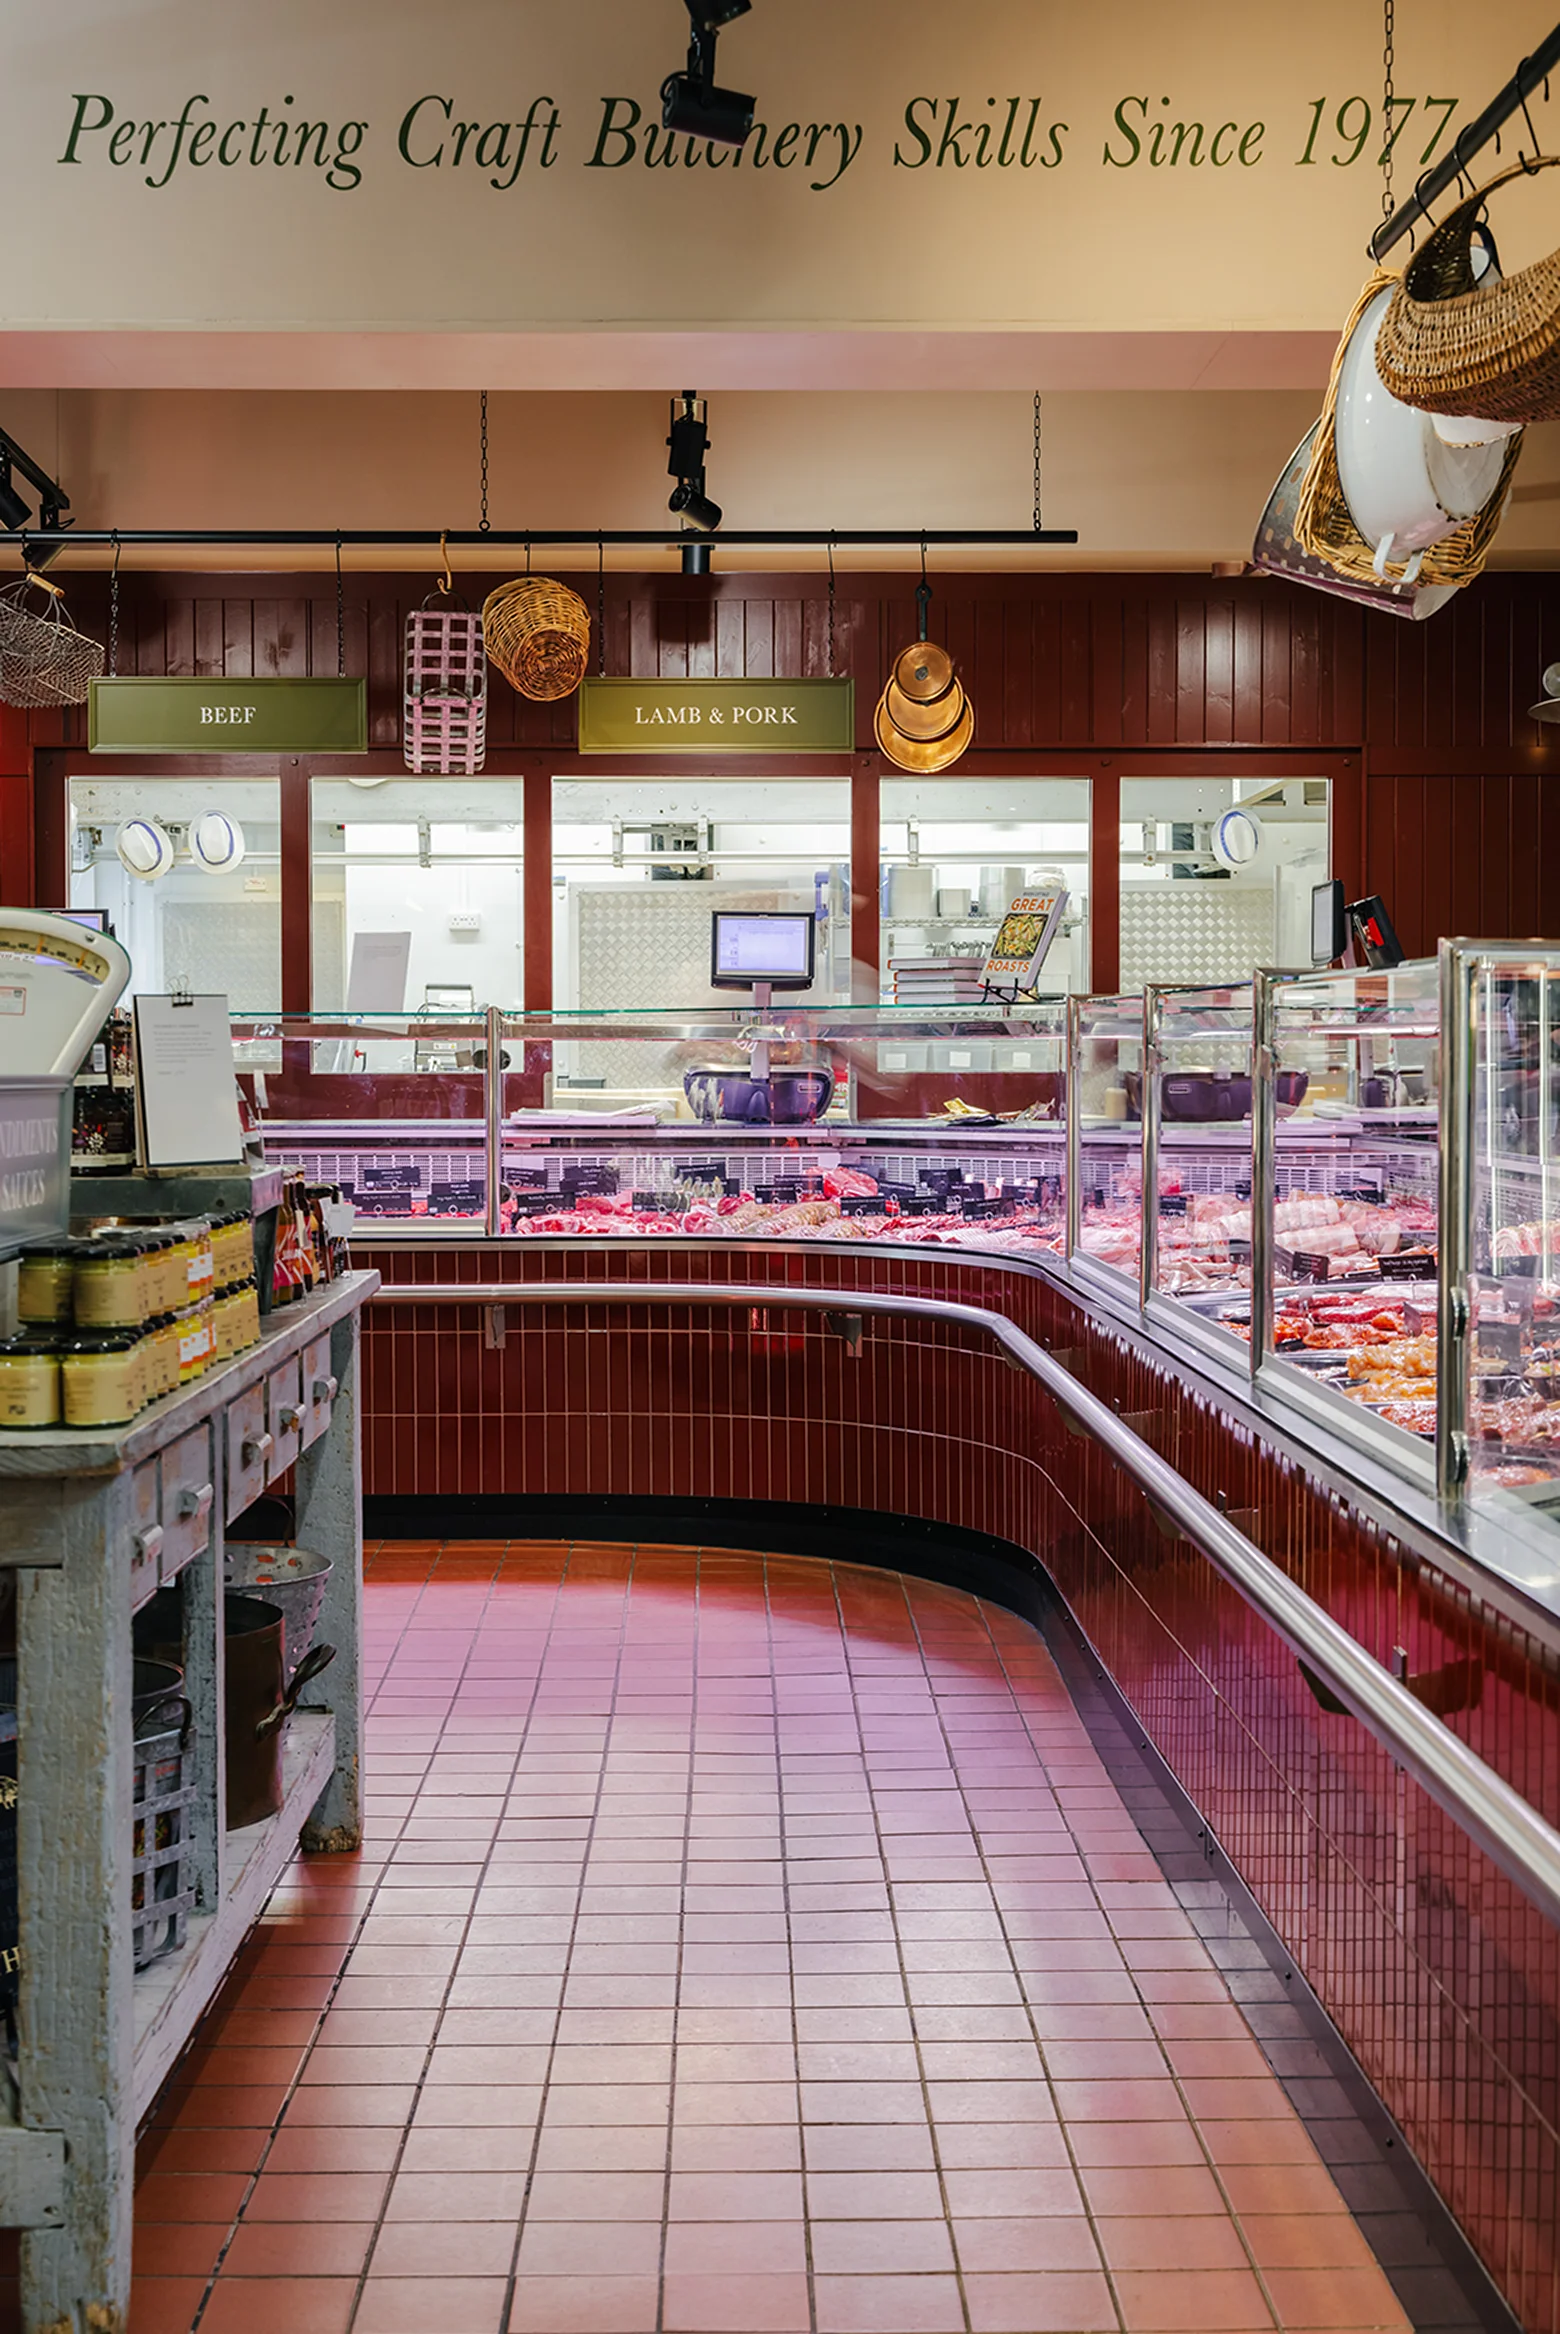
point(201, 917)
point(392, 1108)
point(1198, 1143)
point(1217, 875)
point(1511, 1268)
point(955, 853)
point(1106, 1134)
point(419, 897)
point(1350, 1201)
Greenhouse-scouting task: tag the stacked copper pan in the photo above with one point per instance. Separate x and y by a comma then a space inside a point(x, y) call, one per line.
point(924, 721)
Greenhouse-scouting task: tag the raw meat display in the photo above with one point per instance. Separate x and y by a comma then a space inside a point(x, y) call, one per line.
point(1528, 1239)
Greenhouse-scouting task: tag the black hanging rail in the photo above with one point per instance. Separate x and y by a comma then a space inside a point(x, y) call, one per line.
point(54, 539)
point(1530, 75)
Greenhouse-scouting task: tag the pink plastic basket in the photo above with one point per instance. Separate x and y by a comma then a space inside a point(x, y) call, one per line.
point(445, 725)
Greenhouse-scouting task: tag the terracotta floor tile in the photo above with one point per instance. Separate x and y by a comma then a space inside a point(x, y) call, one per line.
point(1060, 2241)
point(191, 2196)
point(585, 2305)
point(1174, 2241)
point(1333, 2298)
point(298, 2249)
point(411, 2305)
point(316, 2196)
point(1192, 2301)
point(314, 2305)
point(736, 2305)
point(889, 2305)
point(178, 2248)
point(1075, 2302)
point(456, 2249)
point(879, 2248)
point(729, 2248)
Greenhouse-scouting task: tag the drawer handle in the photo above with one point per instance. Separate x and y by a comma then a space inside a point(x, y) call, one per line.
point(148, 1544)
point(291, 1416)
point(196, 1503)
point(256, 1447)
point(325, 1389)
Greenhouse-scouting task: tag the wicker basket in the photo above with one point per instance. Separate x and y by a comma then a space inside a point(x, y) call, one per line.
point(44, 660)
point(1324, 525)
point(538, 634)
point(1490, 347)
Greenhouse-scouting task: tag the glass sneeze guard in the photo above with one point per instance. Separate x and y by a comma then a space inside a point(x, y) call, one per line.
point(1104, 1129)
point(1197, 1155)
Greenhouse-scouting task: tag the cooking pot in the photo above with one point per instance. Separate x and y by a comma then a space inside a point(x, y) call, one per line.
point(922, 672)
point(912, 754)
point(787, 1097)
point(258, 1704)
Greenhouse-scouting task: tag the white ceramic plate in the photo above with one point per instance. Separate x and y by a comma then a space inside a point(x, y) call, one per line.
point(1405, 487)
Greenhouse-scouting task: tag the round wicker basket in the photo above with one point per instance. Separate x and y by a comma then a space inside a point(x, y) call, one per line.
point(1488, 347)
point(538, 634)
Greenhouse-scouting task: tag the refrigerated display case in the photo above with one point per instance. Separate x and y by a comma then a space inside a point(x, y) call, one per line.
point(1105, 1137)
point(1499, 1423)
point(719, 1122)
point(1345, 1229)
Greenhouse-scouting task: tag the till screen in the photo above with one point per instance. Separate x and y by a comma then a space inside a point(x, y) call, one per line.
point(762, 948)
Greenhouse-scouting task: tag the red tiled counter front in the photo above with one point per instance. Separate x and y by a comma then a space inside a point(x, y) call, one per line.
point(1443, 1980)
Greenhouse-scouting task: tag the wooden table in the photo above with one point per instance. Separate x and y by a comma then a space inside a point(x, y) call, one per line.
point(93, 1522)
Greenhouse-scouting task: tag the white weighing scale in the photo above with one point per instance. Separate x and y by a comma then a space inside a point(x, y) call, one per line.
point(59, 981)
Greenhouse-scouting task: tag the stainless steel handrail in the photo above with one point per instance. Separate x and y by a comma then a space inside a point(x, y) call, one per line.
point(1512, 1834)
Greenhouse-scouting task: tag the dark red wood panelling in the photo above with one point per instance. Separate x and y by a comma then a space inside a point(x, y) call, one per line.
point(16, 810)
point(1454, 821)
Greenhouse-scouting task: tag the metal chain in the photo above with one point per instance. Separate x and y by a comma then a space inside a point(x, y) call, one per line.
point(831, 607)
point(1038, 505)
point(484, 524)
point(1388, 96)
point(601, 604)
point(113, 612)
point(341, 616)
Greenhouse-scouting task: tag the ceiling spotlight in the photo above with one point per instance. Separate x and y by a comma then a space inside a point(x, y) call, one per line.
point(13, 511)
point(689, 443)
point(690, 101)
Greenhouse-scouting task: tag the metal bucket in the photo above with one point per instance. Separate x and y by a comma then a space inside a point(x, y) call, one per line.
point(291, 1579)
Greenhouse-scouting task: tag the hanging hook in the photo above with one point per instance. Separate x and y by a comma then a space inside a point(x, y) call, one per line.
point(446, 580)
point(1528, 118)
point(528, 555)
point(601, 604)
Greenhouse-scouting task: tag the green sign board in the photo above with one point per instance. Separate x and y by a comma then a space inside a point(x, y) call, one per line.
point(717, 717)
point(143, 716)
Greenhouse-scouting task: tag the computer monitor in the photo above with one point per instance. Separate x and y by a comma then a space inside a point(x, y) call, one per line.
point(754, 946)
point(1329, 928)
point(95, 919)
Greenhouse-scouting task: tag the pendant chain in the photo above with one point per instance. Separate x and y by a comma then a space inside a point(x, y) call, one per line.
point(341, 616)
point(485, 525)
point(831, 607)
point(1388, 100)
point(113, 613)
point(1038, 503)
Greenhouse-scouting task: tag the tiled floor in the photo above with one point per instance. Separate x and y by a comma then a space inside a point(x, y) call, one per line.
point(738, 1945)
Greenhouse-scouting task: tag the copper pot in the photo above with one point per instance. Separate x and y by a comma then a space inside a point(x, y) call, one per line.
point(922, 672)
point(930, 756)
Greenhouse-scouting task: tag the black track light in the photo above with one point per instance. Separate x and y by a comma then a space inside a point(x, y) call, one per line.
point(689, 443)
point(690, 101)
point(13, 511)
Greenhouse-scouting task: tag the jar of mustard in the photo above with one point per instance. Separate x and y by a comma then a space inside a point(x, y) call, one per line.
point(98, 1379)
point(243, 1259)
point(248, 1315)
point(165, 1274)
point(44, 1282)
point(162, 1356)
point(108, 1285)
point(29, 1382)
point(198, 1272)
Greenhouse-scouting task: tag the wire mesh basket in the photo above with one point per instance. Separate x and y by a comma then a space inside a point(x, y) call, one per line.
point(538, 635)
point(444, 730)
point(44, 660)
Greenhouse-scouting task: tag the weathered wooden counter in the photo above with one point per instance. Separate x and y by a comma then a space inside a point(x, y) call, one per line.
point(93, 1522)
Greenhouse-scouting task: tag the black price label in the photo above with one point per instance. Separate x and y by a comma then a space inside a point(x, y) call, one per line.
point(1304, 1267)
point(1172, 1203)
point(464, 1199)
point(403, 1178)
point(1413, 1265)
point(857, 1206)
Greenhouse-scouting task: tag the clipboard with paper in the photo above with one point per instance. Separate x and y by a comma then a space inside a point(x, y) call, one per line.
point(186, 1093)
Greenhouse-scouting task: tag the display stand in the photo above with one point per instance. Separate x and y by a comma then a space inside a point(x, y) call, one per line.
point(92, 1522)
